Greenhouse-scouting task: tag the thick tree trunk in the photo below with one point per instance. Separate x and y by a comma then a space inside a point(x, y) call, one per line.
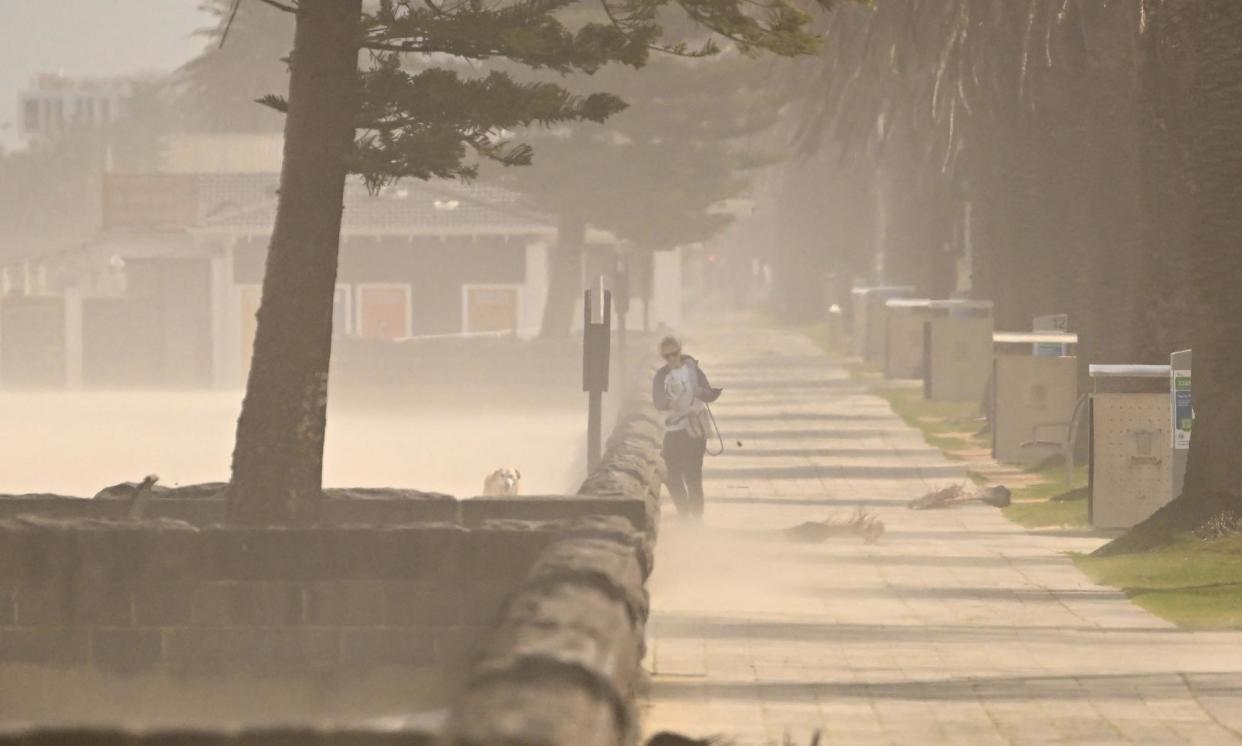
point(918, 239)
point(1215, 264)
point(798, 262)
point(1002, 184)
point(1104, 201)
point(564, 277)
point(1211, 111)
point(278, 457)
point(1165, 314)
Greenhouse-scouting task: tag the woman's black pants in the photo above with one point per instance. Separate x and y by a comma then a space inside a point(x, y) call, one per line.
point(683, 455)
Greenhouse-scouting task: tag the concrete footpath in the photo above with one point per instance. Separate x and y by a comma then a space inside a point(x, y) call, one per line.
point(956, 627)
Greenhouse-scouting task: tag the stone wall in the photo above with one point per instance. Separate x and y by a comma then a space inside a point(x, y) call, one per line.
point(263, 737)
point(561, 665)
point(545, 617)
point(631, 467)
point(204, 505)
point(160, 594)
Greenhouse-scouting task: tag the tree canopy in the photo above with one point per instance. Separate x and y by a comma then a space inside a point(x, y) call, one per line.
point(420, 116)
point(388, 121)
point(650, 174)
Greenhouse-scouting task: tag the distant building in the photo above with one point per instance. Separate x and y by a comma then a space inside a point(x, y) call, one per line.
point(222, 153)
point(52, 104)
point(166, 294)
point(417, 260)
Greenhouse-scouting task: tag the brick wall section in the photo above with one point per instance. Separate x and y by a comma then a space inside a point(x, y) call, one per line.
point(165, 595)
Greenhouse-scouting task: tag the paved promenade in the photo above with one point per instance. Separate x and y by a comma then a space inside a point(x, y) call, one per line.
point(958, 627)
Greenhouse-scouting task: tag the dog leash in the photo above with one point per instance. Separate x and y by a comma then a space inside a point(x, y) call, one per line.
point(716, 429)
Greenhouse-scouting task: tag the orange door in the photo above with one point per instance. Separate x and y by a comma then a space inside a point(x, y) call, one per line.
point(491, 309)
point(384, 312)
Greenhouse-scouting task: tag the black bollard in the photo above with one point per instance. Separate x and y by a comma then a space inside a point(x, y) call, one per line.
point(596, 357)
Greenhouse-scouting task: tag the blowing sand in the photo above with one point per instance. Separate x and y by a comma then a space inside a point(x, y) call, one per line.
point(442, 441)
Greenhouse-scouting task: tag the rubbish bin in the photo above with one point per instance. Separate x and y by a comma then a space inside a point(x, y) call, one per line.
point(903, 341)
point(869, 323)
point(957, 350)
point(1131, 473)
point(1033, 396)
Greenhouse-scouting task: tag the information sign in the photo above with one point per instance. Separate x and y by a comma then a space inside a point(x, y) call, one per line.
point(1057, 322)
point(1183, 409)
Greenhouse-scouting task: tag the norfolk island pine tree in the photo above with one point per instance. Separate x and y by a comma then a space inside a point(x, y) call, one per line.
point(385, 123)
point(686, 144)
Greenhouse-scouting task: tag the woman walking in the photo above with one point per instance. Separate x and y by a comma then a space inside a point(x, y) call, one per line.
point(681, 389)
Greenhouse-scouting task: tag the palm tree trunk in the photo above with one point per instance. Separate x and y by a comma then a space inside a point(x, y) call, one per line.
point(1210, 102)
point(1215, 266)
point(1166, 314)
point(564, 277)
point(278, 456)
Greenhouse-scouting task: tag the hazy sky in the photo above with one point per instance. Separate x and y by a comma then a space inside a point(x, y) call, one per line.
point(90, 37)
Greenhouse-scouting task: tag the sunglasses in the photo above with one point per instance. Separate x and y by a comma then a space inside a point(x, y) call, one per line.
point(670, 355)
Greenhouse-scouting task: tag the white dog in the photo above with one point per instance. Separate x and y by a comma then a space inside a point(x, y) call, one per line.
point(503, 482)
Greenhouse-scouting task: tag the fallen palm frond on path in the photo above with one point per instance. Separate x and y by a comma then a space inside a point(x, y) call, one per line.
point(861, 523)
point(998, 496)
point(667, 738)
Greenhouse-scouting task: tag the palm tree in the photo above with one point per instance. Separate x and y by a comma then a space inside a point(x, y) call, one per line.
point(1198, 40)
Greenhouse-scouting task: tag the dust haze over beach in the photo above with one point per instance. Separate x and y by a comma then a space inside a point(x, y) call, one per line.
point(77, 443)
point(825, 371)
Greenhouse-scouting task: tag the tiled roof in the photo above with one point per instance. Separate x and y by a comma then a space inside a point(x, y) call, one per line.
point(246, 203)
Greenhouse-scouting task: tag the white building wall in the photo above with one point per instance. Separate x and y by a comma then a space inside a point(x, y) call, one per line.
point(226, 356)
point(73, 338)
point(534, 292)
point(214, 153)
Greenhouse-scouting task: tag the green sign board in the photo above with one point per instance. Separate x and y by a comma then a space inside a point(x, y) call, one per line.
point(1183, 409)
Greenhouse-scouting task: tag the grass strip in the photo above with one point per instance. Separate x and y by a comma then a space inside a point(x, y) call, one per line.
point(1048, 503)
point(1191, 582)
point(957, 430)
